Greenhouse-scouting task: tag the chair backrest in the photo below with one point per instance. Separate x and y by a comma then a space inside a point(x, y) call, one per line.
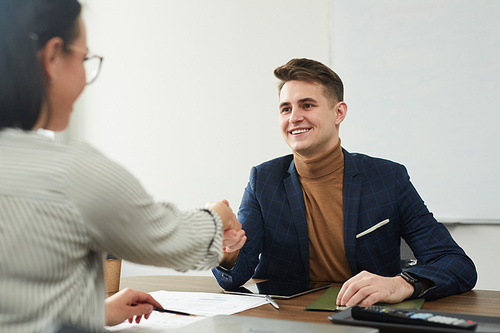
point(408, 259)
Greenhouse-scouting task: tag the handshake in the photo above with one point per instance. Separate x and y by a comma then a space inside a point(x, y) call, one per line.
point(233, 237)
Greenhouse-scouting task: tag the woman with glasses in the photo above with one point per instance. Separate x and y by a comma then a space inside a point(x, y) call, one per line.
point(64, 207)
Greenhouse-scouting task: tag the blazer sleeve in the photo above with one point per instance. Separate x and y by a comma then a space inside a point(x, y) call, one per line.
point(250, 216)
point(443, 261)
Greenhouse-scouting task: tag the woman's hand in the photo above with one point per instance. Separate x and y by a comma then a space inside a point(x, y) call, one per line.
point(127, 304)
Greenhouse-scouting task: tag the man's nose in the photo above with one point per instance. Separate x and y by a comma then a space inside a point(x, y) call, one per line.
point(296, 116)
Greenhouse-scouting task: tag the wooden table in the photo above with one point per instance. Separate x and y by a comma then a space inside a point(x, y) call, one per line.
point(476, 302)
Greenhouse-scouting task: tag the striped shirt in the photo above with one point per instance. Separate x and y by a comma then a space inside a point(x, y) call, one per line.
point(62, 209)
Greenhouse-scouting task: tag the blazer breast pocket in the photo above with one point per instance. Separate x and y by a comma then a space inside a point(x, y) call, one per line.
point(377, 248)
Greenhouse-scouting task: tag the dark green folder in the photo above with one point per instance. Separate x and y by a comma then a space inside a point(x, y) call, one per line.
point(326, 302)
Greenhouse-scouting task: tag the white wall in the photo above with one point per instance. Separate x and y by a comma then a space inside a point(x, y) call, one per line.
point(187, 100)
point(422, 80)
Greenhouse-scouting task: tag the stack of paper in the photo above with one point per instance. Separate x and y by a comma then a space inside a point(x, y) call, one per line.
point(199, 304)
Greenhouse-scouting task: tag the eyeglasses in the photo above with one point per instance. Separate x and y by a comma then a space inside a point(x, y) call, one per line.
point(92, 63)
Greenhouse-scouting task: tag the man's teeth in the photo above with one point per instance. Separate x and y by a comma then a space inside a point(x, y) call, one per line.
point(300, 131)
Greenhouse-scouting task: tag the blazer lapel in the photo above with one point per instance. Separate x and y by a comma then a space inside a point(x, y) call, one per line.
point(351, 199)
point(295, 197)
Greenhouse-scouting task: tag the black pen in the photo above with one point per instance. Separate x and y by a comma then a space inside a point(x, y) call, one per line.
point(171, 311)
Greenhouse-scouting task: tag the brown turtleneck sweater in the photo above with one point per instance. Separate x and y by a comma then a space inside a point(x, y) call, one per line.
point(322, 181)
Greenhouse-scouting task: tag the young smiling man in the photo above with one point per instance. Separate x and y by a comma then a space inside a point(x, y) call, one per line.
point(309, 121)
point(324, 214)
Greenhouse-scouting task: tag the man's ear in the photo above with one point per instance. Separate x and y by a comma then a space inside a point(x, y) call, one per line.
point(340, 112)
point(50, 56)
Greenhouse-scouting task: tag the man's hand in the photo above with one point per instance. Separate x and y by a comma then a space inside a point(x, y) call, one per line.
point(367, 289)
point(233, 237)
point(128, 303)
point(233, 240)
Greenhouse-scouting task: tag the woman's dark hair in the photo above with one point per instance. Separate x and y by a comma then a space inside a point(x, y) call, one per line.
point(25, 27)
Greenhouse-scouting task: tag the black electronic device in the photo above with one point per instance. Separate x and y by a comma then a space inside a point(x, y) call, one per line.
point(410, 317)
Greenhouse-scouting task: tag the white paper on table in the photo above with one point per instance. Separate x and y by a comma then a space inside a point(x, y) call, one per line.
point(199, 304)
point(157, 322)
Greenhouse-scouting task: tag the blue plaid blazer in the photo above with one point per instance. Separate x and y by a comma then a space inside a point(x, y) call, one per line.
point(380, 206)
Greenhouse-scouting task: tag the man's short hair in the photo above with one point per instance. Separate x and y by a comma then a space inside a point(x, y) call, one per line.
point(313, 71)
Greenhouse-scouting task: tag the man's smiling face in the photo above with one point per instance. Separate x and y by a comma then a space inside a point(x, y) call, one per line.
point(309, 123)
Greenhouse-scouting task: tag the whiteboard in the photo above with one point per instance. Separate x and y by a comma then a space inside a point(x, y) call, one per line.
point(422, 81)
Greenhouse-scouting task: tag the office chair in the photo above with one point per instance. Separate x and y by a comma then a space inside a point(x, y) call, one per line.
point(408, 259)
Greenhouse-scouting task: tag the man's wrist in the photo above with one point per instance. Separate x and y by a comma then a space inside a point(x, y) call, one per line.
point(229, 260)
point(415, 282)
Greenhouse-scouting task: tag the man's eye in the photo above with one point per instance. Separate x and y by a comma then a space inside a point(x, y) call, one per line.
point(284, 110)
point(307, 106)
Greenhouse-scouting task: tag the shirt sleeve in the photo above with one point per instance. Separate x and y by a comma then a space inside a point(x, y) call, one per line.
point(123, 220)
